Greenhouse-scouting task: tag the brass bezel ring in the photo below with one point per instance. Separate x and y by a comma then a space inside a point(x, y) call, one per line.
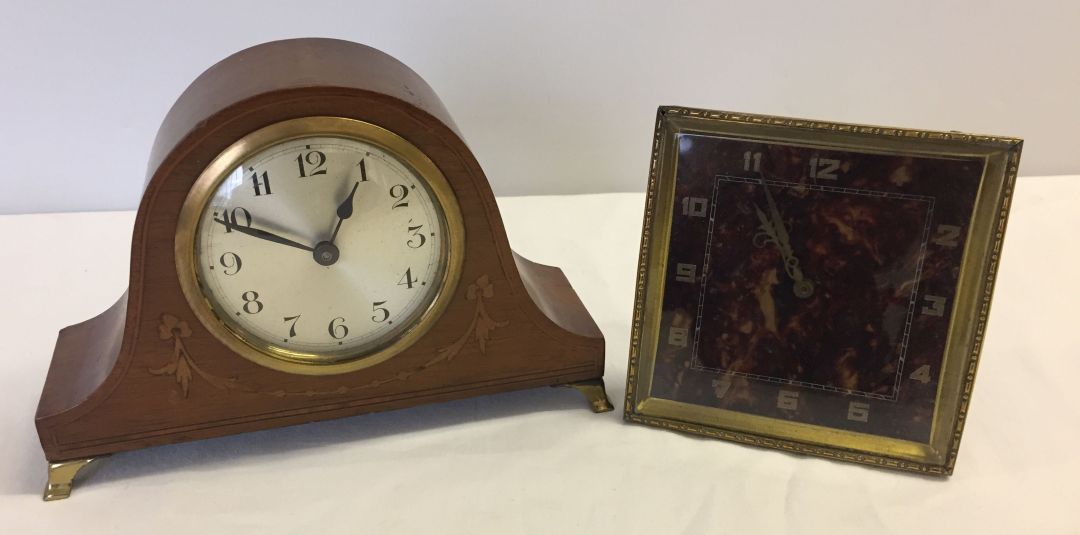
point(263, 353)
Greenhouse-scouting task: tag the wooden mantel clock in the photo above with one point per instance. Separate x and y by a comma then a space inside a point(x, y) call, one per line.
point(315, 240)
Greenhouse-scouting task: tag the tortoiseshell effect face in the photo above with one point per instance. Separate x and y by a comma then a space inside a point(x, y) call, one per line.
point(810, 284)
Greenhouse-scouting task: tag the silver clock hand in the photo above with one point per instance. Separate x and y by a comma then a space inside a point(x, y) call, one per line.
point(778, 224)
point(773, 226)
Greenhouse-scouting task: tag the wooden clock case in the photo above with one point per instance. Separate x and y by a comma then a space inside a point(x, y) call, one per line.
point(146, 371)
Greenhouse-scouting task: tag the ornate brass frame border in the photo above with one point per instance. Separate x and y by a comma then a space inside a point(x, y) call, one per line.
point(218, 169)
point(967, 325)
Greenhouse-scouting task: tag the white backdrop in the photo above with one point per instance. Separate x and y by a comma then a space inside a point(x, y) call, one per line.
point(553, 97)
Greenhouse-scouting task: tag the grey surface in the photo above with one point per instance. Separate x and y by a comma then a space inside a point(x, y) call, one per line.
point(554, 97)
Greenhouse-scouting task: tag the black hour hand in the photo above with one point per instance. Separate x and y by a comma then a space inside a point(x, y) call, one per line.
point(344, 211)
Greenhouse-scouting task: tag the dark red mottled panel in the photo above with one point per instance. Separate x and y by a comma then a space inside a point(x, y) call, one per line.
point(816, 283)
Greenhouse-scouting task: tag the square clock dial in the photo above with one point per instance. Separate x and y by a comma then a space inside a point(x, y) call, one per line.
point(816, 287)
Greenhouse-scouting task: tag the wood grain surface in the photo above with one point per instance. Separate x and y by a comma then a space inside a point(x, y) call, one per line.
point(146, 372)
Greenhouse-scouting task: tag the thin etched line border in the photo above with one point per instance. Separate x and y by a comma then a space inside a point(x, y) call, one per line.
point(912, 301)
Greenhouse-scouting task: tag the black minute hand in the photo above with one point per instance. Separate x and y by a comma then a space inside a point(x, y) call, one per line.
point(263, 235)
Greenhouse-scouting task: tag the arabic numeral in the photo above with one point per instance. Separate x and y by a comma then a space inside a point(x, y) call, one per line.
point(824, 168)
point(752, 161)
point(858, 411)
point(947, 236)
point(787, 400)
point(261, 186)
point(721, 386)
point(685, 272)
point(230, 261)
point(678, 336)
point(934, 305)
point(381, 313)
point(252, 305)
point(694, 206)
point(363, 170)
point(313, 158)
point(292, 326)
point(922, 374)
point(414, 232)
point(236, 217)
point(399, 192)
point(337, 328)
point(407, 279)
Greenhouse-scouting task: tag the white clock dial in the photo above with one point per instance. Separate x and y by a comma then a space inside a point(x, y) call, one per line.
point(322, 247)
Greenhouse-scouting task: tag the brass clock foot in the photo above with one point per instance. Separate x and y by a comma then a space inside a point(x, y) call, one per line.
point(61, 476)
point(594, 393)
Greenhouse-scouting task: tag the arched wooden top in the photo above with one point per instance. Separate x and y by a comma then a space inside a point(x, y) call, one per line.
point(286, 65)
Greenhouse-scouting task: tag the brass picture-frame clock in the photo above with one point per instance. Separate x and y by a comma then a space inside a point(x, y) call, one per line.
point(315, 240)
point(817, 287)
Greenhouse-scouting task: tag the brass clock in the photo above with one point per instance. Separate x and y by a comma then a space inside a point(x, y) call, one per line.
point(315, 240)
point(817, 287)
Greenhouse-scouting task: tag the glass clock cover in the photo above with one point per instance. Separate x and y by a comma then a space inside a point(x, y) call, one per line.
point(321, 247)
point(810, 284)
